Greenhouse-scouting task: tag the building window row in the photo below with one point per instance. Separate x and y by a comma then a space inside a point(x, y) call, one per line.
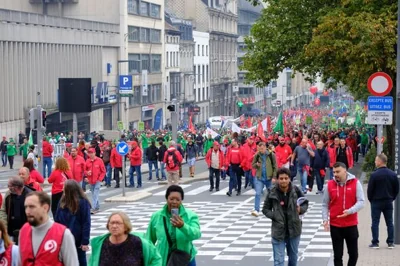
point(137, 34)
point(172, 59)
point(138, 7)
point(140, 62)
point(202, 52)
point(153, 95)
point(172, 39)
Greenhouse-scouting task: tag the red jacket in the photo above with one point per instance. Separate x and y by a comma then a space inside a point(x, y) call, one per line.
point(136, 156)
point(332, 154)
point(33, 184)
point(282, 154)
point(47, 149)
point(97, 168)
point(36, 176)
point(178, 157)
point(349, 155)
point(234, 156)
point(77, 166)
point(338, 202)
point(58, 178)
point(248, 152)
point(220, 155)
point(352, 143)
point(115, 159)
point(44, 255)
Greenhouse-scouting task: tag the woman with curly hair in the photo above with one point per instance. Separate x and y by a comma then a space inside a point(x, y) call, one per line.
point(60, 174)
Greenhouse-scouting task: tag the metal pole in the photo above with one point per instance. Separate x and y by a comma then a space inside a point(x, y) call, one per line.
point(39, 135)
point(379, 146)
point(174, 121)
point(74, 130)
point(397, 133)
point(118, 95)
point(123, 176)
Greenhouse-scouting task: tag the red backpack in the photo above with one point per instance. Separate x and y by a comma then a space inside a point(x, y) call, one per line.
point(172, 160)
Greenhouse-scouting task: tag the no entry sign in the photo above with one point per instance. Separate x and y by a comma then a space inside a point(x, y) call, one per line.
point(380, 84)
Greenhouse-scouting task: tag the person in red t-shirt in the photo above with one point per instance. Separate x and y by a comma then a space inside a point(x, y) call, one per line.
point(284, 153)
point(234, 160)
point(60, 174)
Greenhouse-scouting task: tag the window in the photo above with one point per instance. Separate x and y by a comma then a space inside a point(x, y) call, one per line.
point(198, 50)
point(172, 62)
point(198, 74)
point(145, 62)
point(133, 6)
point(155, 11)
point(204, 74)
point(207, 73)
point(202, 50)
point(166, 56)
point(155, 63)
point(194, 72)
point(134, 64)
point(204, 91)
point(157, 92)
point(133, 34)
point(206, 50)
point(289, 83)
point(207, 93)
point(144, 35)
point(144, 9)
point(198, 94)
point(155, 36)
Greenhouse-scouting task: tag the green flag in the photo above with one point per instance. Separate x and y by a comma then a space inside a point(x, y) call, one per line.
point(279, 125)
point(358, 122)
point(30, 141)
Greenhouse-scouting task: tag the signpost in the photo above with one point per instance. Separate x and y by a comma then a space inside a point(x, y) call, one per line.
point(125, 85)
point(380, 109)
point(141, 126)
point(123, 149)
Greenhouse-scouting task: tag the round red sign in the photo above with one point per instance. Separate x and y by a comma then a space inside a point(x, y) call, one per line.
point(380, 84)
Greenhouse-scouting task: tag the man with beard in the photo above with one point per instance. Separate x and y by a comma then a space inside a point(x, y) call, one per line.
point(42, 241)
point(284, 153)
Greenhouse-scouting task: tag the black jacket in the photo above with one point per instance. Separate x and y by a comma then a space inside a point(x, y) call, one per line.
point(15, 209)
point(152, 153)
point(161, 151)
point(383, 185)
point(274, 210)
point(3, 146)
point(320, 160)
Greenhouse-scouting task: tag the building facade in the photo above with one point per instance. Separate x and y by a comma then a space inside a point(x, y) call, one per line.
point(201, 72)
point(43, 42)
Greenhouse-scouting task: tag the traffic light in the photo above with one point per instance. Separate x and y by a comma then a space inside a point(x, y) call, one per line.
point(171, 108)
point(240, 104)
point(44, 115)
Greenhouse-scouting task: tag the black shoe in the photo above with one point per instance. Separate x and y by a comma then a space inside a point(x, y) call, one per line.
point(211, 189)
point(139, 186)
point(217, 189)
point(116, 186)
point(149, 178)
point(158, 179)
point(229, 194)
point(131, 186)
point(108, 186)
point(238, 193)
point(374, 246)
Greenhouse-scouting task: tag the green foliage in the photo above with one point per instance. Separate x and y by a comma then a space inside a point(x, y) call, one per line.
point(369, 160)
point(344, 41)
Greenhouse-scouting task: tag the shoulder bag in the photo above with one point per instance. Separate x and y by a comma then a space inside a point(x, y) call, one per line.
point(176, 257)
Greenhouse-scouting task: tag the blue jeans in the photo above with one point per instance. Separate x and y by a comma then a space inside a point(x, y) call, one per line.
point(108, 174)
point(138, 171)
point(303, 178)
point(151, 163)
point(144, 155)
point(248, 179)
point(4, 158)
point(47, 161)
point(330, 173)
point(193, 262)
point(163, 174)
point(385, 207)
point(95, 190)
point(319, 179)
point(81, 257)
point(292, 248)
point(259, 187)
point(232, 180)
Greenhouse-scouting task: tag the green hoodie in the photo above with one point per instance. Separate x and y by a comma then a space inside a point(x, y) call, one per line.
point(11, 150)
point(150, 255)
point(208, 145)
point(24, 148)
point(184, 236)
point(145, 141)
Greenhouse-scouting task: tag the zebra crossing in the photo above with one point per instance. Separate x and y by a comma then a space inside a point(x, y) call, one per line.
point(229, 232)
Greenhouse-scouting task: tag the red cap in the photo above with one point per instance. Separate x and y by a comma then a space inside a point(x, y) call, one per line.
point(91, 150)
point(68, 145)
point(134, 143)
point(226, 141)
point(287, 139)
point(216, 143)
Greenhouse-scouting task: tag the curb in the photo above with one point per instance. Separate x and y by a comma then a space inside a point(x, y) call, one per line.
point(130, 197)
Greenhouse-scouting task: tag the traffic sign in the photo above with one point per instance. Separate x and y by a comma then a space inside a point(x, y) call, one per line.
point(380, 84)
point(125, 84)
point(122, 148)
point(380, 117)
point(376, 103)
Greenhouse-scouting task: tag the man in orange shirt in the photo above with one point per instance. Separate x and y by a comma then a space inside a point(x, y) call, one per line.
point(95, 172)
point(284, 153)
point(77, 166)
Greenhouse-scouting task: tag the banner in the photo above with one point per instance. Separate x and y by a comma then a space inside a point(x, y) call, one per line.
point(211, 132)
point(236, 128)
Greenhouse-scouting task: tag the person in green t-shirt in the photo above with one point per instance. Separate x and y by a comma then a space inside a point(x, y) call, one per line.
point(364, 143)
point(24, 148)
point(208, 143)
point(144, 139)
point(11, 152)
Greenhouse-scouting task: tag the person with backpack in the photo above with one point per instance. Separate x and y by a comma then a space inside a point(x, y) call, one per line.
point(28, 180)
point(265, 164)
point(284, 205)
point(172, 160)
point(136, 163)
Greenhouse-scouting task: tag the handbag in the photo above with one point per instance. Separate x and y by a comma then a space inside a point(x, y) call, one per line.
point(176, 257)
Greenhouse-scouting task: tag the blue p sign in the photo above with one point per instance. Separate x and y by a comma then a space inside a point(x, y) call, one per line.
point(125, 82)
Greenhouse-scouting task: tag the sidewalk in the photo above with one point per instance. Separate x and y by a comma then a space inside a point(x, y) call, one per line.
point(367, 256)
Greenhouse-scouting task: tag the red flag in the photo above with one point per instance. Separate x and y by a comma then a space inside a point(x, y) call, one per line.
point(269, 126)
point(248, 122)
point(260, 132)
point(191, 127)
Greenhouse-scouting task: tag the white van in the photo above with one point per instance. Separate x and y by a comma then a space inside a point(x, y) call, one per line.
point(216, 121)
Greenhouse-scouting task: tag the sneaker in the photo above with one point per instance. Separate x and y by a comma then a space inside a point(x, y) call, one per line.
point(390, 246)
point(116, 186)
point(217, 189)
point(238, 193)
point(229, 194)
point(374, 246)
point(254, 213)
point(92, 211)
point(211, 189)
point(138, 186)
point(131, 186)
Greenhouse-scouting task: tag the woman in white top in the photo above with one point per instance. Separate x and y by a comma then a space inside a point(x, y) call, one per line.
point(32, 155)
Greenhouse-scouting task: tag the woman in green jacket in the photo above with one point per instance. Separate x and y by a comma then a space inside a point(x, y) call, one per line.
point(182, 224)
point(11, 152)
point(121, 247)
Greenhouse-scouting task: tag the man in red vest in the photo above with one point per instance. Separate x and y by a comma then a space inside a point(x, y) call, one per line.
point(42, 241)
point(343, 198)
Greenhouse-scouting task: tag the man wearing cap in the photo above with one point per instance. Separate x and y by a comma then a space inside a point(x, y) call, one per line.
point(283, 153)
point(215, 163)
point(95, 173)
